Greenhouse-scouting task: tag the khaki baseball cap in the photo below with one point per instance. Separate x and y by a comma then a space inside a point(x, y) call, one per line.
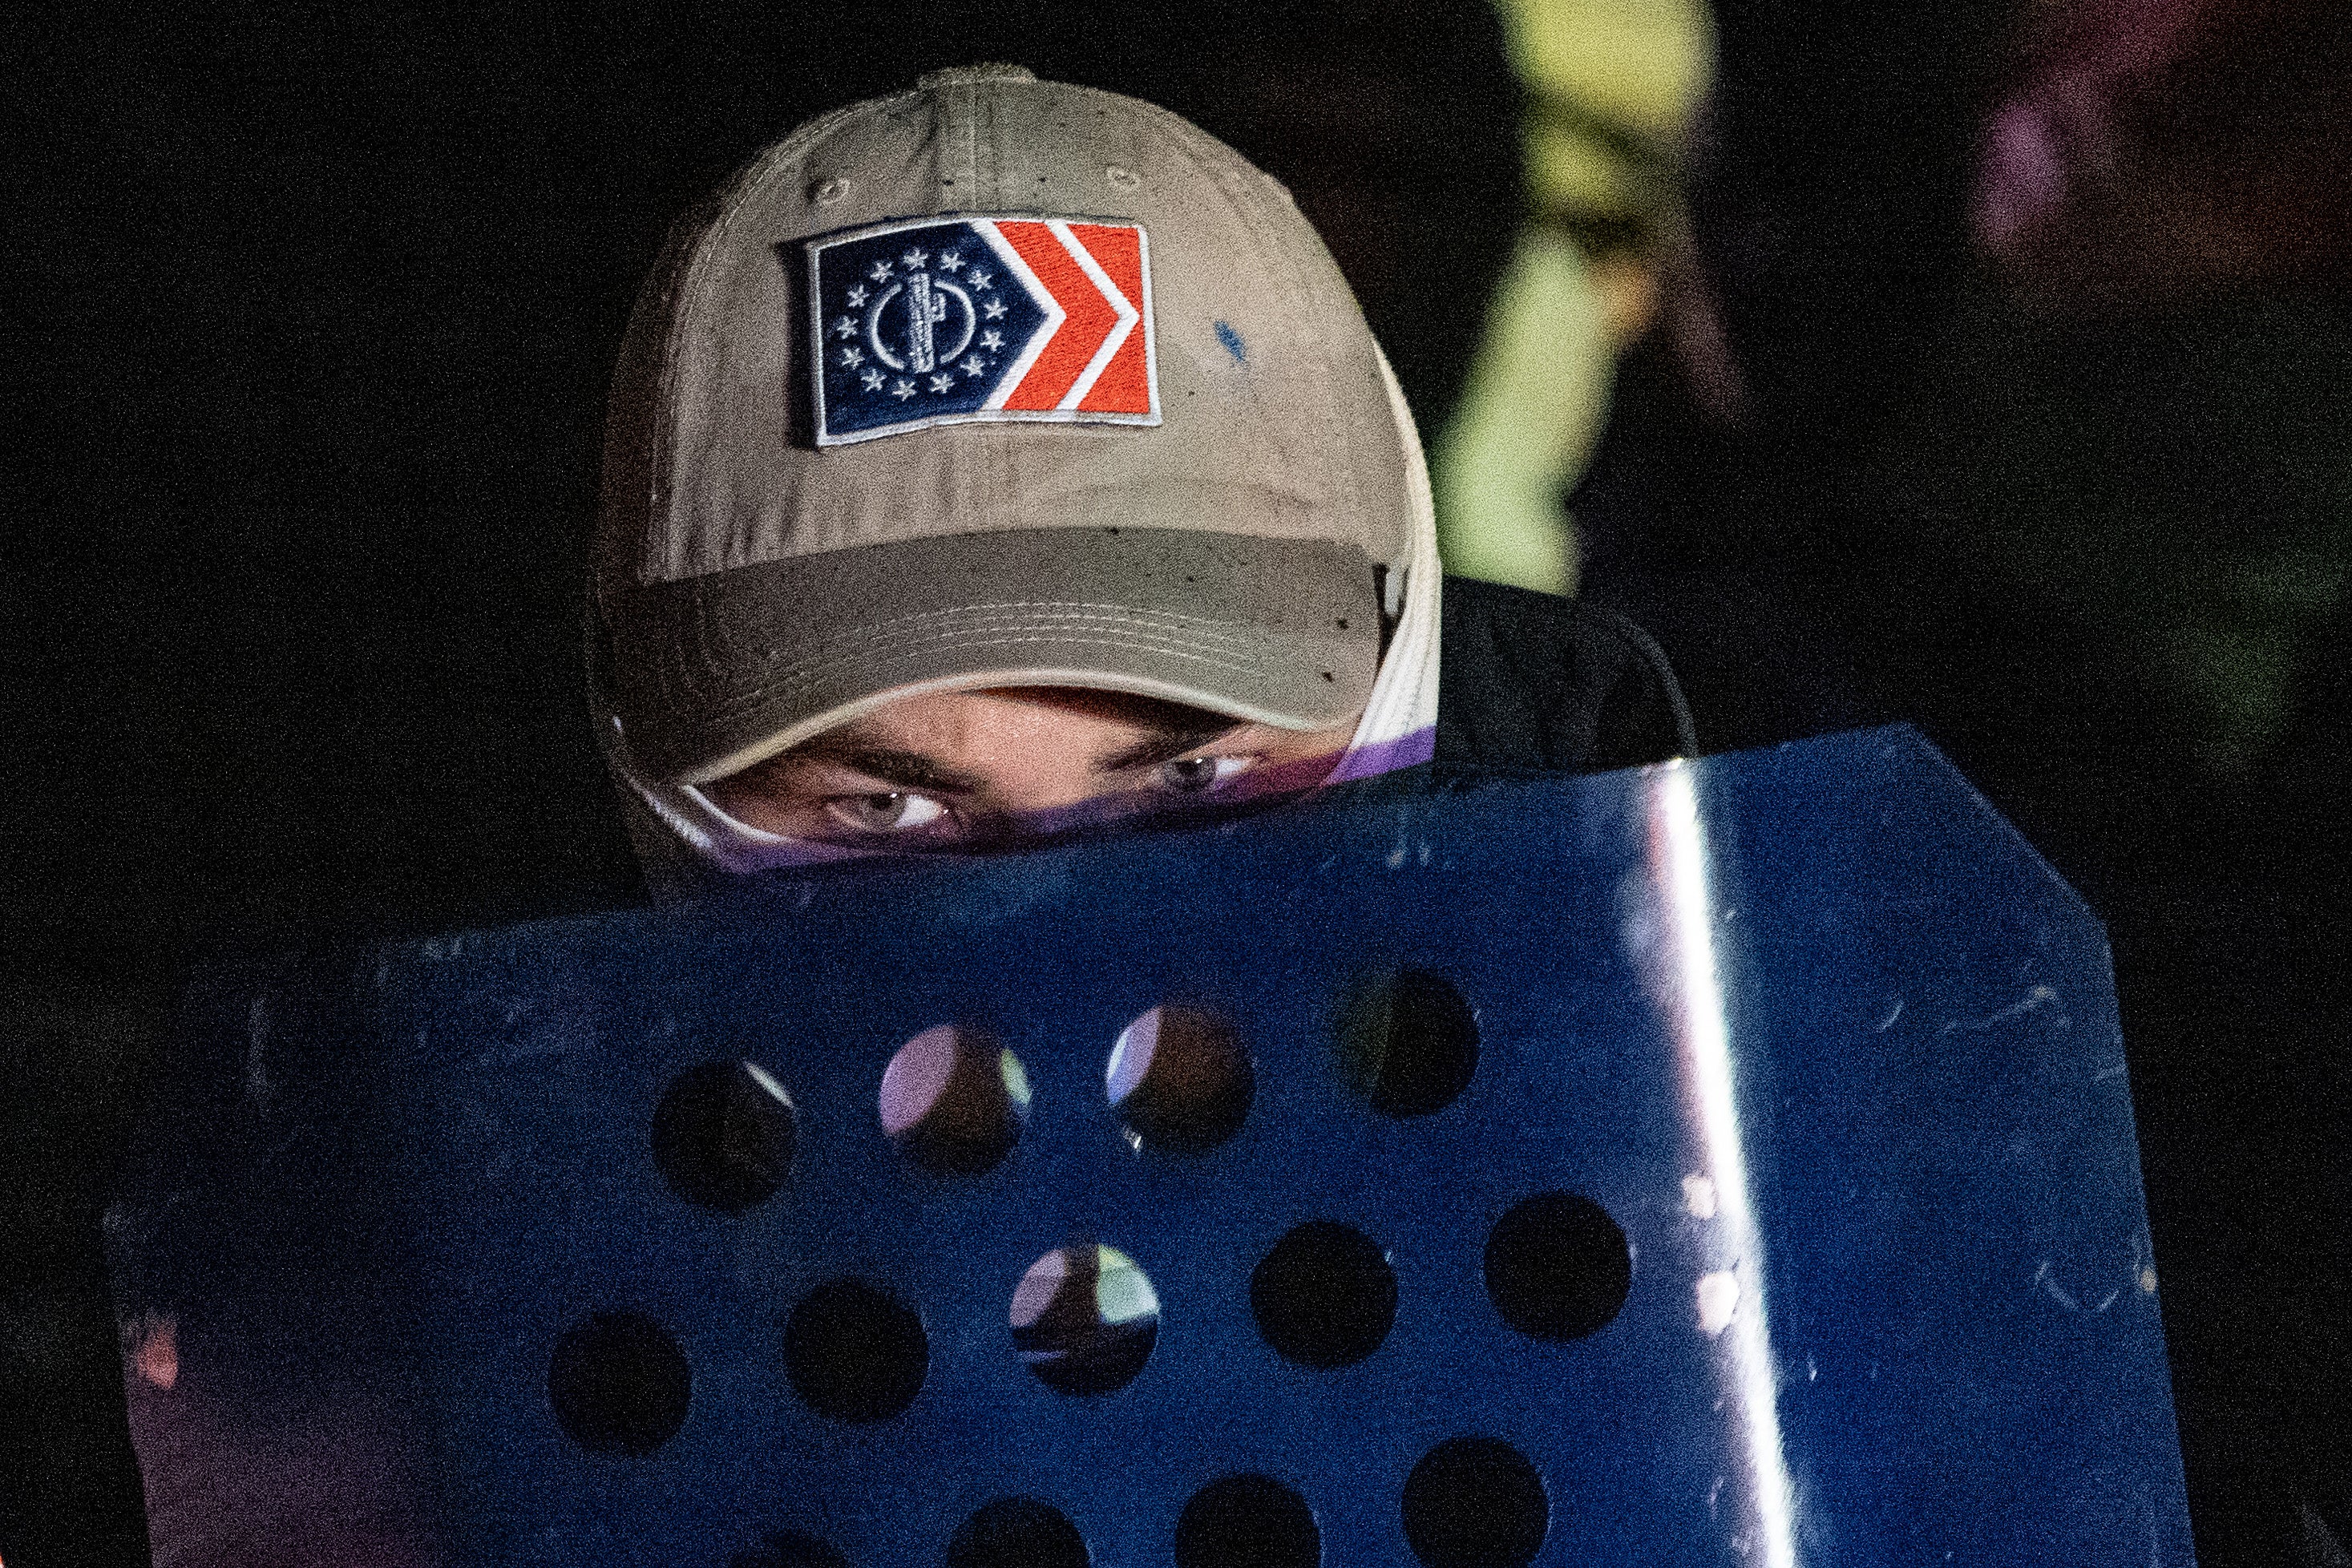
point(995, 382)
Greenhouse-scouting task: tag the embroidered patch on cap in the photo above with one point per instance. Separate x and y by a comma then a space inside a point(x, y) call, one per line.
point(957, 320)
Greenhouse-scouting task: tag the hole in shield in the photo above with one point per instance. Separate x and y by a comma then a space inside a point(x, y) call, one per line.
point(1180, 1080)
point(1408, 1042)
point(1247, 1521)
point(619, 1383)
point(1476, 1502)
point(1017, 1532)
point(724, 1135)
point(1325, 1296)
point(1558, 1267)
point(855, 1353)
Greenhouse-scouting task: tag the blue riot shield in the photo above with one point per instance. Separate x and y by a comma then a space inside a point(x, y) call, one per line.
point(1721, 1163)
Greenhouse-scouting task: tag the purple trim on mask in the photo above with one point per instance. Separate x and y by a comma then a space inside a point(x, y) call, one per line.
point(1407, 751)
point(742, 858)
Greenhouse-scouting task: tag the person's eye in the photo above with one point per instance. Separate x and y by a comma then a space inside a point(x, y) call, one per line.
point(1199, 775)
point(889, 812)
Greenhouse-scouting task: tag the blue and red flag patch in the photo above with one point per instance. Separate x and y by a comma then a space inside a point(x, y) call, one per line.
point(958, 320)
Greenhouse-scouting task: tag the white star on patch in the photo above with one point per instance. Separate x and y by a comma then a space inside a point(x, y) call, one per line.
point(904, 390)
point(979, 280)
point(873, 380)
point(846, 328)
point(991, 340)
point(857, 296)
point(993, 309)
point(914, 258)
point(942, 383)
point(879, 271)
point(951, 261)
point(852, 358)
point(974, 365)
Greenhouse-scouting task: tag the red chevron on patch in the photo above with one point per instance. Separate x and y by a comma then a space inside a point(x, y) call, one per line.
point(1124, 384)
point(1093, 353)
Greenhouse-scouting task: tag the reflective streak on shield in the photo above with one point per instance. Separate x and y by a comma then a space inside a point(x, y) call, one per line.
point(1729, 1290)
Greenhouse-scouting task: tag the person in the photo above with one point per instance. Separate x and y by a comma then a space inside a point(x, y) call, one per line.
point(1008, 458)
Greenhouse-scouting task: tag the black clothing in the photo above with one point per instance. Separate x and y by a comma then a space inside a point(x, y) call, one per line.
point(1535, 681)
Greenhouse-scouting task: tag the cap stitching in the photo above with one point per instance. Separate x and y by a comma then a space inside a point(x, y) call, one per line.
point(1174, 632)
point(1014, 634)
point(1058, 612)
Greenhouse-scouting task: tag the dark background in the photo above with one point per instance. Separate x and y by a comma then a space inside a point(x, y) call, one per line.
point(311, 313)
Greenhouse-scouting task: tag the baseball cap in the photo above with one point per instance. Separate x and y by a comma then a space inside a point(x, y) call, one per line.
point(994, 381)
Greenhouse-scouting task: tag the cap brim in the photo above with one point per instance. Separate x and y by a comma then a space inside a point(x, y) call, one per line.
point(711, 674)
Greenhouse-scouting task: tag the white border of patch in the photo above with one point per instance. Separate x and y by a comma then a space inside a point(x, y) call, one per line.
point(985, 224)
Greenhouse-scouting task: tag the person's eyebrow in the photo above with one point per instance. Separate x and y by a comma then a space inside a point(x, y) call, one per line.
point(1173, 741)
point(906, 770)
